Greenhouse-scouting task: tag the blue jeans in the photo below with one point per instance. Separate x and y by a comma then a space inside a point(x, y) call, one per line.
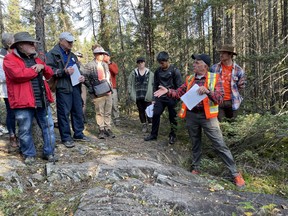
point(24, 118)
point(10, 119)
point(70, 103)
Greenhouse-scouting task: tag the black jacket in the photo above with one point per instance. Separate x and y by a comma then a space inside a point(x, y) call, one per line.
point(54, 59)
point(170, 78)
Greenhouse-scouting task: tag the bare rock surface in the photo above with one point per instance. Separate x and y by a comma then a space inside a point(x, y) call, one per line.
point(121, 176)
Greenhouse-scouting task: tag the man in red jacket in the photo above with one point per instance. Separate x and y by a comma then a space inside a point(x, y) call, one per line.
point(29, 95)
point(113, 68)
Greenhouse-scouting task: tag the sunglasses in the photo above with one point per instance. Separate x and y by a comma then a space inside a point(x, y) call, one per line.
point(70, 42)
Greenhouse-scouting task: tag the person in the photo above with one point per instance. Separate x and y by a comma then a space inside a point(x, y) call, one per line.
point(7, 40)
point(204, 114)
point(233, 77)
point(83, 88)
point(95, 72)
point(168, 76)
point(113, 69)
point(64, 63)
point(29, 95)
point(140, 88)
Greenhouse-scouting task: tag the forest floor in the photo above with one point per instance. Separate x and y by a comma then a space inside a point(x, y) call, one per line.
point(30, 190)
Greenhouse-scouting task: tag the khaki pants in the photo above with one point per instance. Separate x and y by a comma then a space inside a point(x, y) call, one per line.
point(103, 109)
point(84, 97)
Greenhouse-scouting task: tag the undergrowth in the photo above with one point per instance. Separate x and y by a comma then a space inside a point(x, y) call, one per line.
point(259, 144)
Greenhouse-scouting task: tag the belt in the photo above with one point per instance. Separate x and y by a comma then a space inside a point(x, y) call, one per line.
point(197, 110)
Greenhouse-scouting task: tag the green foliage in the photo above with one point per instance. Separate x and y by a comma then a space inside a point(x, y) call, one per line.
point(247, 205)
point(259, 144)
point(13, 21)
point(6, 198)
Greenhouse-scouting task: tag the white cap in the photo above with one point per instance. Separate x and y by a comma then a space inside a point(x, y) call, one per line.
point(67, 36)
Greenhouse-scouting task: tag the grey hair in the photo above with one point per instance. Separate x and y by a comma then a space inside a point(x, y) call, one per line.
point(7, 40)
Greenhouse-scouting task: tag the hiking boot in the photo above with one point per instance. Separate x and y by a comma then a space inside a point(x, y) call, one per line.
point(69, 144)
point(239, 181)
point(195, 172)
point(150, 138)
point(29, 160)
point(83, 139)
point(144, 128)
point(117, 122)
point(101, 134)
point(172, 139)
point(13, 142)
point(50, 158)
point(108, 133)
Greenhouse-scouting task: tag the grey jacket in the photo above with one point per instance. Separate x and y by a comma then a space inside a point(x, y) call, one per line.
point(54, 59)
point(131, 86)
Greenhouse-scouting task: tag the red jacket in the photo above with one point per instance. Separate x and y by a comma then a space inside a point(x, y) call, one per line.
point(113, 68)
point(18, 77)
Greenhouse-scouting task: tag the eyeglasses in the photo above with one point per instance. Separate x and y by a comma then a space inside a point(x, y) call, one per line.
point(30, 43)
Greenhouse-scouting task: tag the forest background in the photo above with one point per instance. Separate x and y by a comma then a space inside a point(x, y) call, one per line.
point(128, 29)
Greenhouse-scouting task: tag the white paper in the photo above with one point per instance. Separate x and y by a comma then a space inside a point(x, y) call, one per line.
point(149, 111)
point(75, 76)
point(192, 98)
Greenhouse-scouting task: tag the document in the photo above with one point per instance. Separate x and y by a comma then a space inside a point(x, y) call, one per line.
point(149, 111)
point(191, 98)
point(75, 76)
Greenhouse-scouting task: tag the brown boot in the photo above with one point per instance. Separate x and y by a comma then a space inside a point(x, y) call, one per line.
point(13, 142)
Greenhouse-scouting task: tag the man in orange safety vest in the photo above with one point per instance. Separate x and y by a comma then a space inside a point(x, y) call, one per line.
point(204, 114)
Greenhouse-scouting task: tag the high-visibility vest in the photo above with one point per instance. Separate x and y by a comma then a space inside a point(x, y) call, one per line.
point(210, 108)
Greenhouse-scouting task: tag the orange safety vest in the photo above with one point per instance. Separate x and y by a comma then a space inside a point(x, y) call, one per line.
point(210, 108)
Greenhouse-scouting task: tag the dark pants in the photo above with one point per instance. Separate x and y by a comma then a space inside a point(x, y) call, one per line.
point(195, 122)
point(10, 119)
point(226, 111)
point(142, 105)
point(159, 107)
point(70, 104)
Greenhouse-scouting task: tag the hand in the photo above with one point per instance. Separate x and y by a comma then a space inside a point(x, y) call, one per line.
point(203, 90)
point(38, 67)
point(161, 91)
point(69, 70)
point(81, 79)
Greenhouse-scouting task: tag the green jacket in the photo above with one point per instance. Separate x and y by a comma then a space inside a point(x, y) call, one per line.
point(131, 86)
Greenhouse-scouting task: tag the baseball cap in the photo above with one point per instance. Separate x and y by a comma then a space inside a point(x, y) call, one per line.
point(203, 57)
point(140, 59)
point(67, 36)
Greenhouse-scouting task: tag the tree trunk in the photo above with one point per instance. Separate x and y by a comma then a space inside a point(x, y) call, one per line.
point(104, 32)
point(285, 22)
point(39, 27)
point(216, 32)
point(1, 18)
point(92, 20)
point(148, 31)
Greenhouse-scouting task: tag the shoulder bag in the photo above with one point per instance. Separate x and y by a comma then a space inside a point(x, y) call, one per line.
point(101, 88)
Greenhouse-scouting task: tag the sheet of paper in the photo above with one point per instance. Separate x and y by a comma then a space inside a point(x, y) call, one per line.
point(192, 98)
point(149, 111)
point(75, 76)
